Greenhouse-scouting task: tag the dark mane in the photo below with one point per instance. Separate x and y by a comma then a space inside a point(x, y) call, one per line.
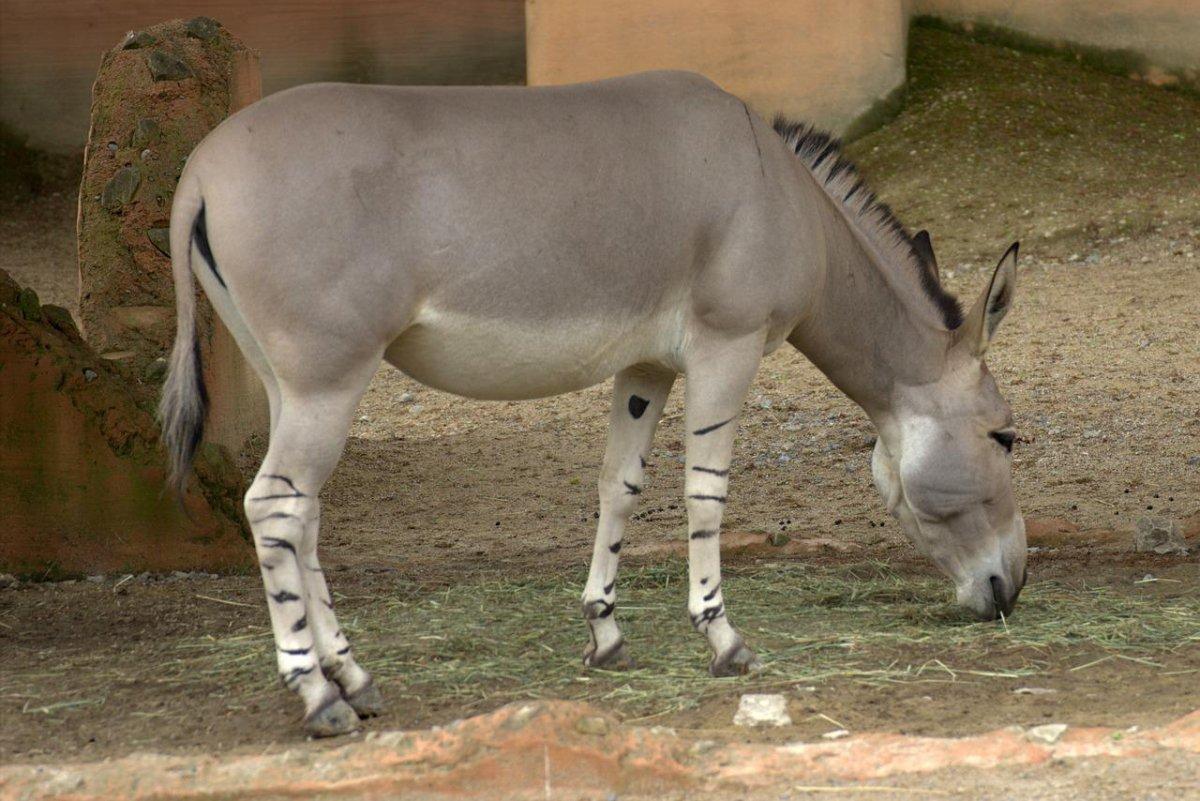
point(822, 154)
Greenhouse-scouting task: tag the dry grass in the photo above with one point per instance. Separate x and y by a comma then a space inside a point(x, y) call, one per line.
point(498, 640)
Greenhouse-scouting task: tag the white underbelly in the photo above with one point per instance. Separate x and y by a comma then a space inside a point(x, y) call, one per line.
point(496, 360)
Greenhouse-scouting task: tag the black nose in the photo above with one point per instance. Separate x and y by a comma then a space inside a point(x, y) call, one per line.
point(1002, 600)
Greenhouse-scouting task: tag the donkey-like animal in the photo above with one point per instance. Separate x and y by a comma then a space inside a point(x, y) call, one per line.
point(524, 242)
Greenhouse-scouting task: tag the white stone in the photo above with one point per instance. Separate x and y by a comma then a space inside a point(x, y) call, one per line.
point(762, 710)
point(836, 734)
point(1046, 734)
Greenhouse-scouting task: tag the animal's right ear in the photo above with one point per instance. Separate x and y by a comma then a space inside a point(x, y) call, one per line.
point(985, 316)
point(924, 248)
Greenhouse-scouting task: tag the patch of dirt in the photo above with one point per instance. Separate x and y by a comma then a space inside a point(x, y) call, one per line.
point(1099, 359)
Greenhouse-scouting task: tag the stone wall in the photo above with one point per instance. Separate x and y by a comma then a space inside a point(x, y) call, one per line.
point(83, 472)
point(156, 95)
point(828, 63)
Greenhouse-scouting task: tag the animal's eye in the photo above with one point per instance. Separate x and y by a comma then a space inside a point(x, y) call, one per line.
point(1005, 438)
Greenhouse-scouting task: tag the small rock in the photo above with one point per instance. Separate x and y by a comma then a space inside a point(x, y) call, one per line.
point(1033, 691)
point(98, 579)
point(1160, 536)
point(30, 306)
point(592, 725)
point(161, 239)
point(8, 580)
point(416, 408)
point(407, 397)
point(1194, 461)
point(167, 67)
point(203, 28)
point(1093, 258)
point(1074, 257)
point(1091, 433)
point(62, 321)
point(179, 574)
point(120, 188)
point(836, 734)
point(1046, 734)
point(762, 710)
point(89, 374)
point(136, 40)
point(156, 370)
point(144, 132)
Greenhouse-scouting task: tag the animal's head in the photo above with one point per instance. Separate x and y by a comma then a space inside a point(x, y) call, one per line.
point(943, 462)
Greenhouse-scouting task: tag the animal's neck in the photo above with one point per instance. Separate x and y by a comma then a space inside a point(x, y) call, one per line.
point(865, 330)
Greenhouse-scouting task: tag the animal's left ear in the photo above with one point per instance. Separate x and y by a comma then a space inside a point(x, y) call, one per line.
point(985, 316)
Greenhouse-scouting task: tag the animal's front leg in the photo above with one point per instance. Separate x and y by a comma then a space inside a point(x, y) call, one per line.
point(718, 377)
point(638, 400)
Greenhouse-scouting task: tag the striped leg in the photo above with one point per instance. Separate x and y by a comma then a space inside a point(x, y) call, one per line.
point(306, 442)
point(718, 378)
point(638, 399)
point(333, 649)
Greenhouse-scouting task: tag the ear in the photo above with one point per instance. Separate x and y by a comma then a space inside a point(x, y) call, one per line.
point(924, 248)
point(985, 316)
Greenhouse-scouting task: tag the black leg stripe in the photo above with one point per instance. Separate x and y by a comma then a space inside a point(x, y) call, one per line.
point(301, 624)
point(343, 651)
point(712, 594)
point(704, 533)
point(287, 481)
point(275, 516)
point(717, 498)
point(710, 471)
point(276, 497)
point(294, 674)
point(283, 596)
point(632, 489)
point(608, 588)
point(615, 547)
point(295, 651)
point(275, 542)
point(699, 432)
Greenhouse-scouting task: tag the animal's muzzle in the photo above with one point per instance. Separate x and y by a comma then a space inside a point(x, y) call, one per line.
point(1004, 595)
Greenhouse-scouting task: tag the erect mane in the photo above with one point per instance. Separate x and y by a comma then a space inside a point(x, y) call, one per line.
point(822, 154)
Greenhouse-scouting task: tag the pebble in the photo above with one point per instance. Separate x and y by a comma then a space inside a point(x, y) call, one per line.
point(1159, 536)
point(1046, 734)
point(1194, 461)
point(8, 580)
point(1033, 691)
point(407, 397)
point(836, 734)
point(762, 710)
point(97, 579)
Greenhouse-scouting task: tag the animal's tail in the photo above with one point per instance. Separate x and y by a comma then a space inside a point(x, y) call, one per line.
point(184, 403)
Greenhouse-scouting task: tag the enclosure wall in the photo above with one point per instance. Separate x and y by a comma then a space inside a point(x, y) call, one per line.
point(796, 58)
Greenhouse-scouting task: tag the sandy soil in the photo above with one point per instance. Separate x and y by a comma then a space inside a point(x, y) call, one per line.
point(1100, 360)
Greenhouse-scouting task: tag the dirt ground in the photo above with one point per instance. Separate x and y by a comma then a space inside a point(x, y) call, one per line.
point(1099, 178)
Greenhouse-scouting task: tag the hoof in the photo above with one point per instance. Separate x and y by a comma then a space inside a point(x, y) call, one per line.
point(737, 661)
point(366, 702)
point(612, 658)
point(332, 718)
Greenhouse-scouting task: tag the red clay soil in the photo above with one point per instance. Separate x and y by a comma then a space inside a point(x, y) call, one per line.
point(83, 478)
point(564, 750)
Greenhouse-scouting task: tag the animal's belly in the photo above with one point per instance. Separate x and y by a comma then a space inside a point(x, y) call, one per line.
point(494, 360)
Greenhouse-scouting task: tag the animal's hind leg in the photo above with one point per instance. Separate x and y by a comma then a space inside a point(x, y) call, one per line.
point(638, 399)
point(307, 440)
point(719, 374)
point(333, 648)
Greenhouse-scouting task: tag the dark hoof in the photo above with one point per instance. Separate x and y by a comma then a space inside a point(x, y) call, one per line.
point(366, 702)
point(737, 661)
point(332, 718)
point(612, 658)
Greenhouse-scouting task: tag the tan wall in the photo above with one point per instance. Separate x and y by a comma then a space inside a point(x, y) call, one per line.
point(1165, 31)
point(816, 60)
point(50, 49)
